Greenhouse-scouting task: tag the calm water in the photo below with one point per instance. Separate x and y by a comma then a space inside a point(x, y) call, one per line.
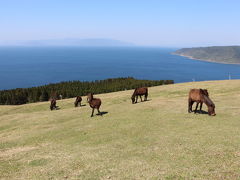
point(33, 66)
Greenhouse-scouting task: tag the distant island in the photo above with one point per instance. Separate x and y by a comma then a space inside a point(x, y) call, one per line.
point(219, 54)
point(91, 42)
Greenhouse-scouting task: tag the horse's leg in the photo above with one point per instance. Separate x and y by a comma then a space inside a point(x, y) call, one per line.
point(145, 98)
point(136, 99)
point(92, 112)
point(141, 97)
point(201, 106)
point(99, 112)
point(196, 108)
point(190, 103)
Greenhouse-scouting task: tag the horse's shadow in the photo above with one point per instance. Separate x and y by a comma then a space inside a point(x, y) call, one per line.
point(200, 112)
point(101, 113)
point(57, 108)
point(142, 101)
point(82, 105)
point(147, 100)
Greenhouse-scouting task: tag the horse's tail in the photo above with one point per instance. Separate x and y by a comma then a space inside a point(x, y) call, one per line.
point(146, 94)
point(190, 103)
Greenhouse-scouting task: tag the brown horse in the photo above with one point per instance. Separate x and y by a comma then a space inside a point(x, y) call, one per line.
point(94, 103)
point(200, 96)
point(139, 92)
point(53, 104)
point(203, 91)
point(78, 101)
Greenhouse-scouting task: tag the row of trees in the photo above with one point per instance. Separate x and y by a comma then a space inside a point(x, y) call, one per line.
point(72, 89)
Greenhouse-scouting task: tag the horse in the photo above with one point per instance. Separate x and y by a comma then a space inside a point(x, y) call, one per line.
point(139, 92)
point(94, 103)
point(78, 101)
point(53, 104)
point(200, 96)
point(203, 91)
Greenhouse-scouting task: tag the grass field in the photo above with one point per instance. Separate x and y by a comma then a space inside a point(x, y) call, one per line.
point(156, 139)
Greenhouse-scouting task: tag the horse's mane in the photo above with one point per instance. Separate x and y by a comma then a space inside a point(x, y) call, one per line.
point(204, 91)
point(134, 93)
point(90, 97)
point(208, 101)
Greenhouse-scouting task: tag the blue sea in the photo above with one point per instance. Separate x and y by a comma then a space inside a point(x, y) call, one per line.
point(22, 67)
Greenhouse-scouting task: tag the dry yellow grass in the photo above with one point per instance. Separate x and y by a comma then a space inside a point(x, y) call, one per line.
point(156, 139)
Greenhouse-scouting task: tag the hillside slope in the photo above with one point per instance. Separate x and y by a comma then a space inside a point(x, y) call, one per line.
point(220, 54)
point(149, 140)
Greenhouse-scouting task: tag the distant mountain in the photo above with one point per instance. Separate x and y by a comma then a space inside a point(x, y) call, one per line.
point(69, 42)
point(220, 54)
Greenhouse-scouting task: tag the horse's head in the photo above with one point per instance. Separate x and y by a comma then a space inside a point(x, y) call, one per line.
point(133, 98)
point(89, 97)
point(211, 110)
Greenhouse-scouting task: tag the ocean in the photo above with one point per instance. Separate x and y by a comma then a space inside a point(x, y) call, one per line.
point(22, 67)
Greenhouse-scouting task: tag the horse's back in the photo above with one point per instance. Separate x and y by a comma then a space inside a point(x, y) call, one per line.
point(142, 90)
point(95, 103)
point(195, 95)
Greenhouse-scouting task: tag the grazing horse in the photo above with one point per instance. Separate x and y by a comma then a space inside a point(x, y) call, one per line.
point(94, 103)
point(78, 101)
point(139, 92)
point(53, 104)
point(200, 96)
point(205, 92)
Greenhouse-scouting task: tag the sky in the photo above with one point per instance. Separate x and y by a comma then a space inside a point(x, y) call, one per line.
point(166, 23)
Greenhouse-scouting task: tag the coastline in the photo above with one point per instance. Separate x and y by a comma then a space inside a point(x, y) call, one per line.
point(206, 60)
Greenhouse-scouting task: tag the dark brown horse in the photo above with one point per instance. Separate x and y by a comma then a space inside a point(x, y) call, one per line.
point(94, 103)
point(78, 101)
point(53, 104)
point(205, 92)
point(139, 92)
point(200, 96)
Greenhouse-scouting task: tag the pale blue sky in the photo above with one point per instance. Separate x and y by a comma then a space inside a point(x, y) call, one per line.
point(176, 23)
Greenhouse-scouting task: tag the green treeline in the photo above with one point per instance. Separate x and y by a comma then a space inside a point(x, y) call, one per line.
point(72, 89)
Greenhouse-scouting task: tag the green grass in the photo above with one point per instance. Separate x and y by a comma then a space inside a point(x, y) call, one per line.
point(156, 139)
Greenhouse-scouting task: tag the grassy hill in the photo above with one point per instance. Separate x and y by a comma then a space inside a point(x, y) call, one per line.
point(220, 54)
point(156, 139)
